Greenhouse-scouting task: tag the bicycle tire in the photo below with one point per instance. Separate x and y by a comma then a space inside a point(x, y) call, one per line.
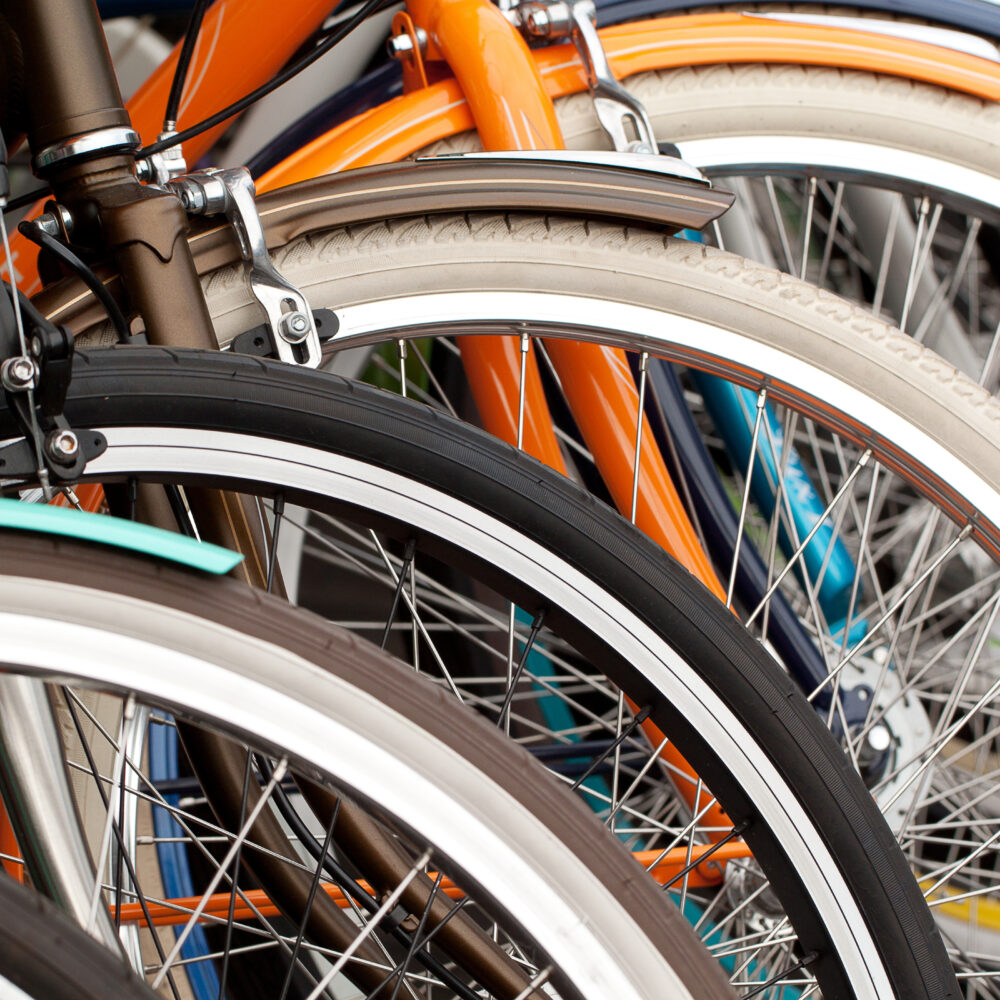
point(34, 929)
point(289, 410)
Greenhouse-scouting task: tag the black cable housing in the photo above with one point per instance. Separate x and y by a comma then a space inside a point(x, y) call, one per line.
point(184, 61)
point(34, 232)
point(365, 11)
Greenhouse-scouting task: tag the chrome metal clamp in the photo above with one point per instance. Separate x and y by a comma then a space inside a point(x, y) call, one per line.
point(166, 165)
point(621, 114)
point(231, 193)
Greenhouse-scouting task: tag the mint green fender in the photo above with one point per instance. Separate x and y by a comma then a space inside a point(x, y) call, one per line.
point(118, 533)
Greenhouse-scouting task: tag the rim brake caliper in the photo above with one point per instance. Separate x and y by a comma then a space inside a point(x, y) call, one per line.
point(622, 116)
point(230, 192)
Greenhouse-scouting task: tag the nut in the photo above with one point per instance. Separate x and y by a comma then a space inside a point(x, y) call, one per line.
point(294, 327)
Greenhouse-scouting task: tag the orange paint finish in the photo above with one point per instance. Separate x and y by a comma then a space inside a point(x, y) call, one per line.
point(669, 866)
point(493, 368)
point(384, 134)
point(440, 111)
point(414, 74)
point(664, 868)
point(8, 846)
point(242, 44)
point(601, 392)
point(90, 496)
point(728, 38)
point(407, 124)
point(496, 71)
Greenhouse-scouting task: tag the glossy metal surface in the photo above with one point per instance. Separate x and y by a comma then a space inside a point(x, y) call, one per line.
point(844, 159)
point(737, 357)
point(106, 140)
point(605, 410)
point(42, 810)
point(495, 70)
point(316, 718)
point(959, 41)
point(408, 123)
point(658, 165)
point(492, 365)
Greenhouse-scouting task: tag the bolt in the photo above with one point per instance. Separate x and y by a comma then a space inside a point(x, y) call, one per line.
point(48, 224)
point(294, 327)
point(399, 46)
point(192, 197)
point(537, 22)
point(872, 753)
point(18, 373)
point(62, 447)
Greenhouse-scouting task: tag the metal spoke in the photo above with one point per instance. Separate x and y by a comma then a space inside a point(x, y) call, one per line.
point(279, 773)
point(779, 223)
point(883, 267)
point(313, 889)
point(244, 795)
point(921, 248)
point(416, 618)
point(369, 928)
point(748, 477)
point(128, 712)
point(650, 761)
point(838, 201)
point(637, 721)
point(639, 417)
point(888, 614)
point(525, 653)
point(125, 854)
point(944, 297)
point(781, 976)
point(807, 228)
point(272, 557)
point(408, 553)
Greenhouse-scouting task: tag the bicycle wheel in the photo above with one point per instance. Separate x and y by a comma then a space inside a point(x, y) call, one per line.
point(924, 595)
point(539, 872)
point(464, 501)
